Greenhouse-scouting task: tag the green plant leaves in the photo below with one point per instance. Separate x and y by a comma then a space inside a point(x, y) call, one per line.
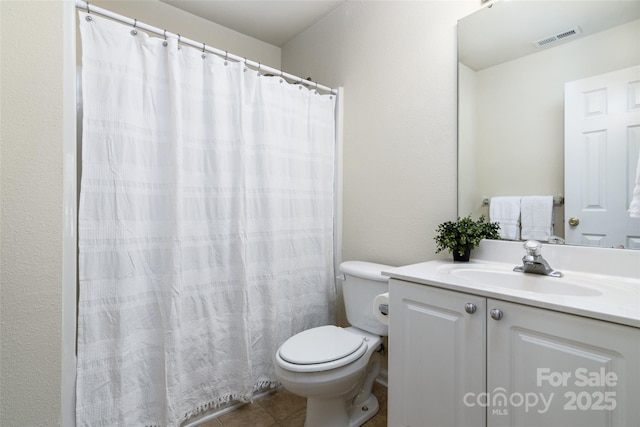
point(464, 233)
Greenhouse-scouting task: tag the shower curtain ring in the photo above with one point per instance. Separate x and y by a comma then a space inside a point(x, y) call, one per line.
point(88, 18)
point(165, 43)
point(204, 55)
point(259, 65)
point(134, 31)
point(226, 54)
point(179, 42)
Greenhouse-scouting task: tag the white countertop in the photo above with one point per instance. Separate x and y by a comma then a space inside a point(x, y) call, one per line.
point(616, 299)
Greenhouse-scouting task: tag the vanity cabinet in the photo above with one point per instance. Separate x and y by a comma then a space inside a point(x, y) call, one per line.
point(458, 359)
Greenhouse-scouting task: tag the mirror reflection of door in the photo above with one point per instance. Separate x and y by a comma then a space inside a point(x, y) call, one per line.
point(602, 143)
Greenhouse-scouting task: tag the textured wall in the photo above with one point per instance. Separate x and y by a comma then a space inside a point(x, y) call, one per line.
point(397, 62)
point(177, 21)
point(31, 185)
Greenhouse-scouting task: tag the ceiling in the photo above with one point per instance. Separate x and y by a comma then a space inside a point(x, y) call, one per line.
point(506, 30)
point(274, 22)
point(514, 25)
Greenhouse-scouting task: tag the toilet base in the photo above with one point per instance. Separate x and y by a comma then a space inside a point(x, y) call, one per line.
point(342, 412)
point(334, 412)
point(364, 412)
point(326, 413)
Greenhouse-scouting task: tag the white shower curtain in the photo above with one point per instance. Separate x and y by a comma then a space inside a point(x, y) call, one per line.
point(205, 227)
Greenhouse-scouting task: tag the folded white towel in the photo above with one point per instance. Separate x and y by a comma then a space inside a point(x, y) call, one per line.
point(506, 211)
point(537, 217)
point(634, 208)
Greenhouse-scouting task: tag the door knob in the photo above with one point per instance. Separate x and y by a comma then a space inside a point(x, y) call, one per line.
point(470, 308)
point(496, 314)
point(573, 221)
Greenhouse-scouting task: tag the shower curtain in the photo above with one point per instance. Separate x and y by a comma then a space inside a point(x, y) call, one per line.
point(205, 226)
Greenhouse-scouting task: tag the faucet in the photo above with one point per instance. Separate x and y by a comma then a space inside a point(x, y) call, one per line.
point(533, 262)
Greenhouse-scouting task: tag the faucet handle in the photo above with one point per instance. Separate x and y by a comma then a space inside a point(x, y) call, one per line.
point(533, 247)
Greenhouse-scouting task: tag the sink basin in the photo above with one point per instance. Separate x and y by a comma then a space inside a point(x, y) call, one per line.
point(533, 283)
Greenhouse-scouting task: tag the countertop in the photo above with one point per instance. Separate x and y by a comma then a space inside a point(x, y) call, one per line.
point(615, 299)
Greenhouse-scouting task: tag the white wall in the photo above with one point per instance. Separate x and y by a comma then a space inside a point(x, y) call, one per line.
point(397, 63)
point(31, 186)
point(467, 144)
point(177, 21)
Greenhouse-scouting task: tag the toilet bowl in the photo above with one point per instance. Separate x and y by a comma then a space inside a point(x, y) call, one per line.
point(334, 367)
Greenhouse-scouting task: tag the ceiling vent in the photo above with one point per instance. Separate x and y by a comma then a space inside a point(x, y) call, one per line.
point(555, 38)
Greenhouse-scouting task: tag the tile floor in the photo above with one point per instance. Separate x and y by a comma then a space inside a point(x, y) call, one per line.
point(284, 409)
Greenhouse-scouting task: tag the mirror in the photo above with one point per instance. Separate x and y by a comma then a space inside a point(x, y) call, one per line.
point(514, 58)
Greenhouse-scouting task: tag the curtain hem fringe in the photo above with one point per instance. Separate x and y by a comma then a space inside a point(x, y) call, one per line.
point(230, 398)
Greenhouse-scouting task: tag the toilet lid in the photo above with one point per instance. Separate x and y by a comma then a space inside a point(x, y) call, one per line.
point(320, 345)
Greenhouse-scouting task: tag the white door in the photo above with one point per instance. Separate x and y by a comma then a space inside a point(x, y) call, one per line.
point(436, 357)
point(602, 142)
point(552, 369)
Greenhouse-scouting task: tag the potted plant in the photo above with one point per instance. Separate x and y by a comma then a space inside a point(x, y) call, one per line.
point(461, 236)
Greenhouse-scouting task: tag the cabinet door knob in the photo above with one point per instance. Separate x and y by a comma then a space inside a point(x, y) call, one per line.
point(470, 308)
point(496, 314)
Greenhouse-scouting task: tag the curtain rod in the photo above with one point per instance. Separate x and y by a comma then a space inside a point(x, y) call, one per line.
point(164, 33)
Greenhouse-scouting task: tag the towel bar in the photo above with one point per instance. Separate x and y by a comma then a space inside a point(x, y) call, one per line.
point(557, 201)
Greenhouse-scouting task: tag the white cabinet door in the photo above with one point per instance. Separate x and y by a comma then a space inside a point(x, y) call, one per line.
point(437, 355)
point(546, 368)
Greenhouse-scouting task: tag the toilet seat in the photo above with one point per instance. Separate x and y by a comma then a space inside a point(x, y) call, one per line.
point(320, 349)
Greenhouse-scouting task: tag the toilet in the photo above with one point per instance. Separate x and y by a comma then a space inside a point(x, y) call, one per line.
point(333, 367)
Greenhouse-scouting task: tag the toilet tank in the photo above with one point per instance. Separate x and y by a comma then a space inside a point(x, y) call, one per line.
point(362, 282)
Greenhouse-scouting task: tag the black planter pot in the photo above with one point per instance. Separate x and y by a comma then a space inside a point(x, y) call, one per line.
point(462, 258)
